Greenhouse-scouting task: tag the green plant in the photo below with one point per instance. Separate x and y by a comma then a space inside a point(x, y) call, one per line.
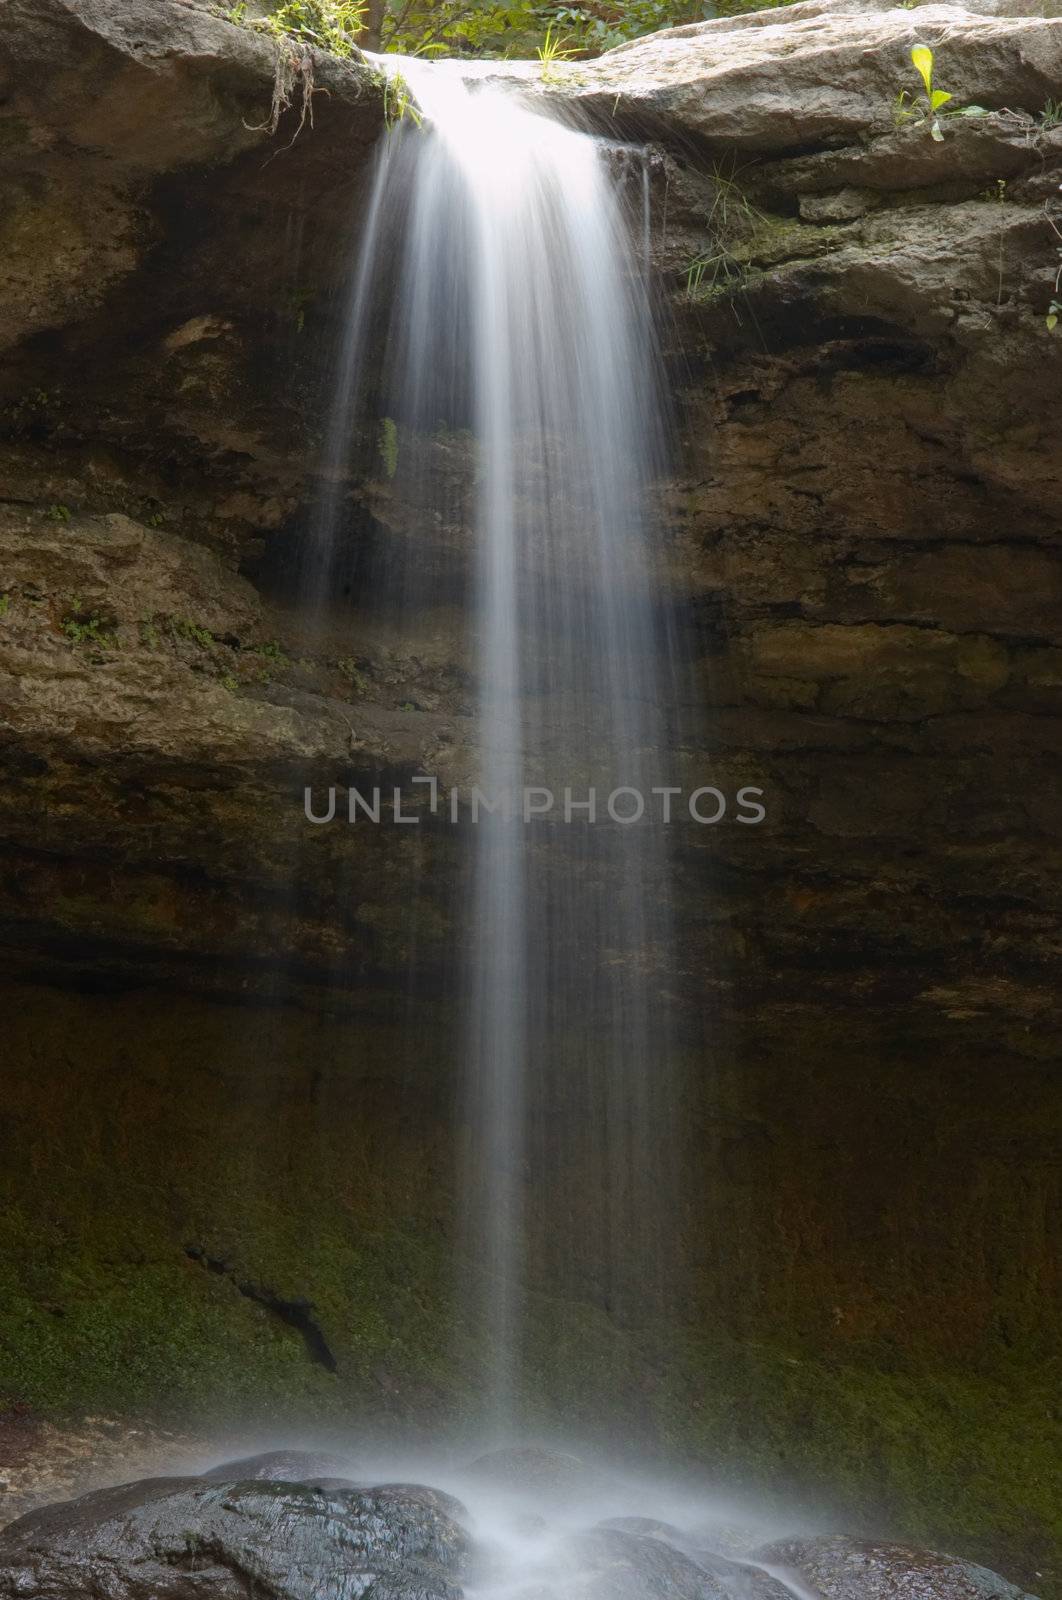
point(388, 445)
point(359, 683)
point(228, 682)
point(925, 108)
point(929, 106)
point(300, 27)
point(731, 211)
point(514, 27)
point(149, 634)
point(274, 658)
point(59, 513)
point(5, 604)
point(1051, 115)
point(191, 632)
point(273, 652)
point(332, 25)
point(710, 275)
point(479, 28)
point(551, 51)
point(87, 628)
point(398, 101)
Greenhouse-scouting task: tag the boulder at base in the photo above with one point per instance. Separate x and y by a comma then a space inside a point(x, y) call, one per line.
point(857, 1569)
point(281, 1466)
point(608, 1564)
point(190, 1539)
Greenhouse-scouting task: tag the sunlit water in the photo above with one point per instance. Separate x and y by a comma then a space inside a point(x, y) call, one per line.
point(498, 310)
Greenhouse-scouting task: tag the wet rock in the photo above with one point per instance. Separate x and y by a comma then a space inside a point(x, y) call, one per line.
point(741, 1579)
point(647, 1528)
point(281, 1466)
point(735, 1540)
point(42, 1462)
point(852, 1569)
point(178, 1538)
point(137, 89)
point(845, 206)
point(763, 80)
point(607, 1564)
point(447, 1505)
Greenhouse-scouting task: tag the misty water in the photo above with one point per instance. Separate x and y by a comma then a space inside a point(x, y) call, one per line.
point(544, 1523)
point(499, 309)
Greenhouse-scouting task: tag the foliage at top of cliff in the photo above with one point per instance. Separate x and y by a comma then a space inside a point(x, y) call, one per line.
point(478, 27)
point(517, 29)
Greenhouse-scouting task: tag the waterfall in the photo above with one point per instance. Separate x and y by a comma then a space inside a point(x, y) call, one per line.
point(500, 311)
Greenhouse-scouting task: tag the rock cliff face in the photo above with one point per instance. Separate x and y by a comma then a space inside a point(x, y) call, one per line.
point(209, 1002)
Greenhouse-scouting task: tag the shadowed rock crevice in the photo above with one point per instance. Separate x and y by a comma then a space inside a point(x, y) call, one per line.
point(297, 1314)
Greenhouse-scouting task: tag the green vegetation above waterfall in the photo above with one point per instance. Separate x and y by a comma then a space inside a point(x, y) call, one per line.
point(476, 27)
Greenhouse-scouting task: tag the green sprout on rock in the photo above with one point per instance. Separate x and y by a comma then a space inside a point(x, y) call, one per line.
point(551, 52)
point(398, 101)
point(929, 106)
point(331, 25)
point(926, 109)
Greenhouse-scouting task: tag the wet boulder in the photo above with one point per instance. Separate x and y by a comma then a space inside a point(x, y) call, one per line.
point(195, 1539)
point(841, 1568)
point(609, 1564)
point(447, 1505)
point(744, 1580)
point(739, 1580)
point(281, 1466)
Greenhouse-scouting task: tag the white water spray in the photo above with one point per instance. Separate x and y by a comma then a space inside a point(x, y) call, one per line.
point(518, 318)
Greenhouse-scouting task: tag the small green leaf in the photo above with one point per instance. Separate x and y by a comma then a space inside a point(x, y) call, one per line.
point(1052, 322)
point(938, 98)
point(922, 56)
point(972, 111)
point(936, 132)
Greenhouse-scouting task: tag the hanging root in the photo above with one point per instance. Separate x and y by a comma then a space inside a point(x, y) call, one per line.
point(293, 85)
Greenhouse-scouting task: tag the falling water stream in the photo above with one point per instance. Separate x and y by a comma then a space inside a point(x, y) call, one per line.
point(499, 303)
